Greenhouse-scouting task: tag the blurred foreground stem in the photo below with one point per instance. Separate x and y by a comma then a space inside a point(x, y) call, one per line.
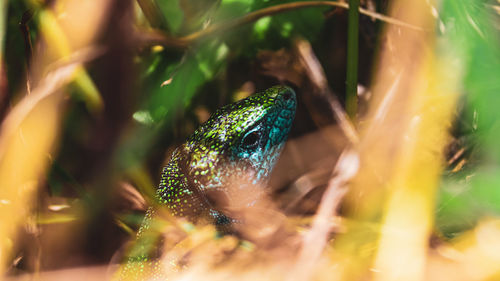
point(3, 14)
point(401, 148)
point(56, 38)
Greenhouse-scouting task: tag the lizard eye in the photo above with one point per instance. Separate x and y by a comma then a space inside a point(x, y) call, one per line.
point(251, 139)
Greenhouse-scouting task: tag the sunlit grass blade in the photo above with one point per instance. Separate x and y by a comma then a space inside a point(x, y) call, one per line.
point(61, 47)
point(402, 142)
point(27, 137)
point(29, 132)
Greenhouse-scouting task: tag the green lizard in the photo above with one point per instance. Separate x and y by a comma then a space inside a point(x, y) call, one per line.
point(243, 141)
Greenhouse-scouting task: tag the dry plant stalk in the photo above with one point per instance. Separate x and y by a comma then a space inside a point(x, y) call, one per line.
point(401, 147)
point(315, 240)
point(158, 37)
point(317, 76)
point(29, 132)
point(25, 143)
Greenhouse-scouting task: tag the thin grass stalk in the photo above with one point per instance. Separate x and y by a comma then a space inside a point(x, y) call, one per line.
point(352, 59)
point(3, 21)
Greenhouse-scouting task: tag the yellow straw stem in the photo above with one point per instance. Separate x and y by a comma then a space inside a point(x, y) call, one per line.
point(57, 40)
point(408, 215)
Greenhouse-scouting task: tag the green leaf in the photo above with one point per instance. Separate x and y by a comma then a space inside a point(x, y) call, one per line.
point(173, 14)
point(468, 28)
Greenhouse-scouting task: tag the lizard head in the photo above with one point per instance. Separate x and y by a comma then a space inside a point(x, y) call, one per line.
point(262, 129)
point(243, 137)
point(242, 140)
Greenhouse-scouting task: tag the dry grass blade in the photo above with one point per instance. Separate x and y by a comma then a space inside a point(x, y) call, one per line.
point(75, 274)
point(414, 95)
point(29, 132)
point(28, 135)
point(316, 74)
point(50, 85)
point(316, 238)
point(64, 36)
point(251, 17)
point(130, 198)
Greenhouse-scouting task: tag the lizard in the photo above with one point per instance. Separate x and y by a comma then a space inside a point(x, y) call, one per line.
point(242, 140)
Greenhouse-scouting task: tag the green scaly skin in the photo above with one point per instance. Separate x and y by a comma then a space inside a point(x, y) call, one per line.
point(242, 140)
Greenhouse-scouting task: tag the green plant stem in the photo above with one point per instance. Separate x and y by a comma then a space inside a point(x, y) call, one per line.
point(352, 59)
point(3, 23)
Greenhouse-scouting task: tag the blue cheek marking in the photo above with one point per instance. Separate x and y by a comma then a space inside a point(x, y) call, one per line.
point(275, 135)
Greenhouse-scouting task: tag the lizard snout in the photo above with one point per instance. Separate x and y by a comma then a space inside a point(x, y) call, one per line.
point(287, 98)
